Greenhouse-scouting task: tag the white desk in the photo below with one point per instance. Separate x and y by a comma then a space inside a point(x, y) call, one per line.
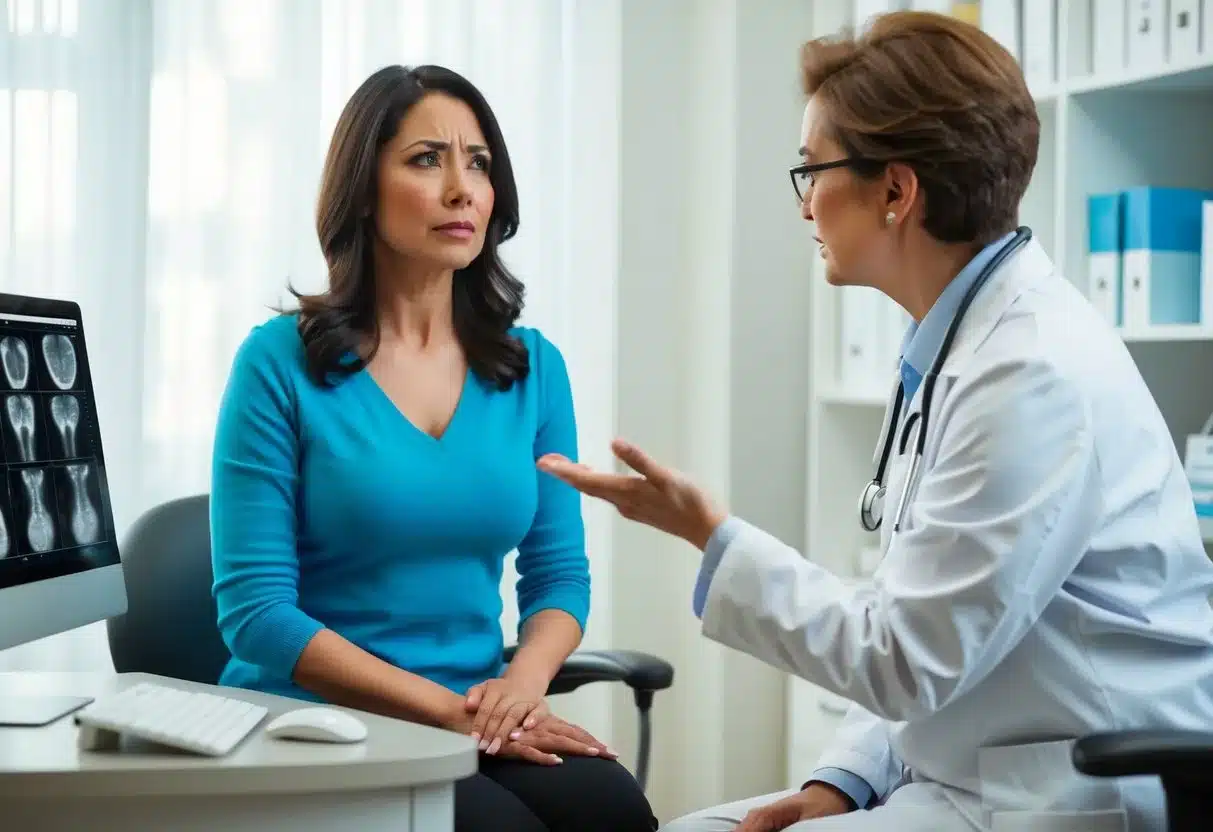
point(400, 779)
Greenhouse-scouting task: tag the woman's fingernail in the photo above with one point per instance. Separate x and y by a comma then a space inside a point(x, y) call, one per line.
point(475, 737)
point(593, 751)
point(496, 745)
point(557, 759)
point(515, 735)
point(484, 744)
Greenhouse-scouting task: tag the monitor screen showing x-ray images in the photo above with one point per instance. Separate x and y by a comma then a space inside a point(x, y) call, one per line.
point(55, 516)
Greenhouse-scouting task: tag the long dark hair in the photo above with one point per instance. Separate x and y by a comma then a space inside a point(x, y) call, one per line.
point(339, 327)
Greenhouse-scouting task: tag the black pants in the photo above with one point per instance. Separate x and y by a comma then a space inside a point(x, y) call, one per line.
point(582, 794)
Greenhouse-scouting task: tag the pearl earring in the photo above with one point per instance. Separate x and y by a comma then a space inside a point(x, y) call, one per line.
point(889, 217)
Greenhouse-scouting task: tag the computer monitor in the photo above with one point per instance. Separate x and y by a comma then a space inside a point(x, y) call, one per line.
point(59, 562)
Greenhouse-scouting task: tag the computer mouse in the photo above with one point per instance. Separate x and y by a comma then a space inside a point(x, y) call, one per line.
point(317, 725)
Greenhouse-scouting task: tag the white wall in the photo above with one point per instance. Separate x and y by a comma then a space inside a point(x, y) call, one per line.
point(772, 251)
point(712, 315)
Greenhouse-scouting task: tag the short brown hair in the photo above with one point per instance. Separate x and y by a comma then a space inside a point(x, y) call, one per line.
point(941, 96)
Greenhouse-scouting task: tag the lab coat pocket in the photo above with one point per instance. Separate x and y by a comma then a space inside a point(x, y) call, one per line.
point(1035, 787)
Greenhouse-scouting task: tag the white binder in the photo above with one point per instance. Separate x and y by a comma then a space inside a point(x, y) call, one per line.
point(1184, 34)
point(1109, 36)
point(862, 365)
point(1206, 264)
point(1147, 33)
point(1040, 44)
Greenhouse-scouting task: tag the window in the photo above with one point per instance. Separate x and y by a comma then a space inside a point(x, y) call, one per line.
point(39, 130)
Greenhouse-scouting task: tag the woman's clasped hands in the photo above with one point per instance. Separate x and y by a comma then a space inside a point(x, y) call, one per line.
point(511, 719)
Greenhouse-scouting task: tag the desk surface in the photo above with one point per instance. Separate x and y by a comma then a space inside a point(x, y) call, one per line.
point(46, 762)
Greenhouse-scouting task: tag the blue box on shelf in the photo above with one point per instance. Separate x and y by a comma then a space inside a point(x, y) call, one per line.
point(1162, 252)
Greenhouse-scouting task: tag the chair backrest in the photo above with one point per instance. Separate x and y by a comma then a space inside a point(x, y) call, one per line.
point(170, 627)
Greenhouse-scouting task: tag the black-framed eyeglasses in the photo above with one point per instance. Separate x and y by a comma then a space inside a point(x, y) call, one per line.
point(803, 176)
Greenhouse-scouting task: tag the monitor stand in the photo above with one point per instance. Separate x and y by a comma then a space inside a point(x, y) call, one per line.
point(35, 711)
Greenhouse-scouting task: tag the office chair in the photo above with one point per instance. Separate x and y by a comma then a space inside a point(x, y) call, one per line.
point(170, 627)
point(1183, 760)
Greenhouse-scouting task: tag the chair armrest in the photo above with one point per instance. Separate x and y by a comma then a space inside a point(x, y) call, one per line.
point(1169, 754)
point(639, 671)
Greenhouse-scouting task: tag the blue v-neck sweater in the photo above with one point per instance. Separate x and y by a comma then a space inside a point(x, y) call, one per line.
point(329, 509)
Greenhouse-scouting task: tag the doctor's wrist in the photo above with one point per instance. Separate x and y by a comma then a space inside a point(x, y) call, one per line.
point(830, 798)
point(710, 519)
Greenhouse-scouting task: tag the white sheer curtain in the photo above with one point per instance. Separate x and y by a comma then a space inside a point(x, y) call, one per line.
point(159, 163)
point(72, 173)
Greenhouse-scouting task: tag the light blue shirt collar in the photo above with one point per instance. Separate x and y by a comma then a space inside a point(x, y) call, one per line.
point(923, 340)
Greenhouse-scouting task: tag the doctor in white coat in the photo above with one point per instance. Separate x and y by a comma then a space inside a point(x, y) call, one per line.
point(1044, 576)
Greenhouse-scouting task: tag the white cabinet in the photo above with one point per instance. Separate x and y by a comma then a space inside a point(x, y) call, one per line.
point(813, 717)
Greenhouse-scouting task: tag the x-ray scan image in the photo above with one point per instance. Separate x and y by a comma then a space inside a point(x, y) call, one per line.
point(52, 482)
point(79, 503)
point(35, 510)
point(54, 501)
point(65, 425)
point(59, 354)
point(6, 541)
point(15, 362)
point(23, 431)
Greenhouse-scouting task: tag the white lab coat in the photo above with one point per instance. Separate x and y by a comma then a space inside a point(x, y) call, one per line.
point(1049, 581)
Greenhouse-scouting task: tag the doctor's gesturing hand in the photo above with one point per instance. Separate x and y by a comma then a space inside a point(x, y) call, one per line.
point(655, 495)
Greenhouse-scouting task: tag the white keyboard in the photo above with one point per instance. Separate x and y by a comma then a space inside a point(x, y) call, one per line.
point(204, 723)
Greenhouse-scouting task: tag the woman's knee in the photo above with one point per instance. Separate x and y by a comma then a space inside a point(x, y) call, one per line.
point(621, 800)
point(583, 794)
point(482, 805)
point(605, 796)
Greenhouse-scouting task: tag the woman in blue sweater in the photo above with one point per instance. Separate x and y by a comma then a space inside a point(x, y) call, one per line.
point(375, 462)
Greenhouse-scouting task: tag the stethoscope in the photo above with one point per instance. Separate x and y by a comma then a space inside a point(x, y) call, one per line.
point(871, 501)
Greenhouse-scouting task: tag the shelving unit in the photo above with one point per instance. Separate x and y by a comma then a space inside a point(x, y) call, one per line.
point(1098, 134)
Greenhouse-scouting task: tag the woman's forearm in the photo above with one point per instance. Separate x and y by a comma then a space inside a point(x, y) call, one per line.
point(548, 638)
point(345, 674)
